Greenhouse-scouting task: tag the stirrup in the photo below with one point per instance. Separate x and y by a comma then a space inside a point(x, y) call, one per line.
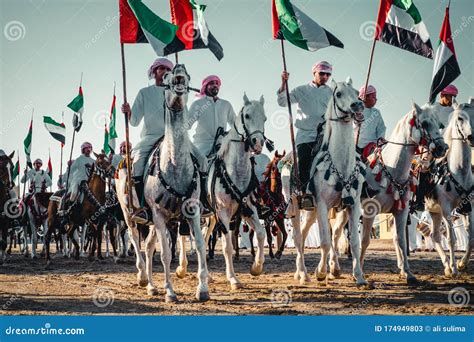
point(141, 216)
point(306, 202)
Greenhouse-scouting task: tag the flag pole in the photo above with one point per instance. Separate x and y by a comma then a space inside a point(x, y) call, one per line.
point(290, 113)
point(127, 136)
point(49, 159)
point(61, 162)
point(176, 58)
point(70, 156)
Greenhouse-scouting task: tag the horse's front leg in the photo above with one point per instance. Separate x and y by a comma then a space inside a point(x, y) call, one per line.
point(309, 218)
point(150, 243)
point(400, 242)
point(253, 221)
point(26, 251)
point(341, 220)
point(281, 246)
point(467, 220)
point(268, 232)
point(202, 291)
point(451, 246)
point(436, 236)
point(226, 240)
point(301, 273)
point(354, 215)
point(324, 233)
point(160, 228)
point(182, 269)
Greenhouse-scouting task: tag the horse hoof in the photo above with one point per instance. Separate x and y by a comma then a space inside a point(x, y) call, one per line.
point(320, 276)
point(117, 260)
point(171, 299)
point(152, 291)
point(142, 282)
point(272, 256)
point(180, 272)
point(364, 285)
point(48, 265)
point(278, 255)
point(412, 281)
point(256, 270)
point(76, 257)
point(203, 296)
point(236, 286)
point(462, 266)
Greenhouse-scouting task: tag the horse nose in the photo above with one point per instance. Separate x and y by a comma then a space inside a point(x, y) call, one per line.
point(254, 141)
point(356, 106)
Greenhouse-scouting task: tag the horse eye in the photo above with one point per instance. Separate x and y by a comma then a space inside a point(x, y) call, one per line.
point(338, 94)
point(247, 116)
point(461, 120)
point(425, 124)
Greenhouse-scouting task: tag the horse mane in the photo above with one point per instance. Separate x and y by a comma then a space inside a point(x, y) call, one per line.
point(400, 126)
point(327, 116)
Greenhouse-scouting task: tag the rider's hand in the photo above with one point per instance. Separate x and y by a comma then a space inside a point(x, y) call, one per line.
point(285, 76)
point(126, 109)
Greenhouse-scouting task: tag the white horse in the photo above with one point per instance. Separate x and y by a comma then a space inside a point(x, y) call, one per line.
point(335, 180)
point(454, 186)
point(232, 181)
point(173, 184)
point(389, 174)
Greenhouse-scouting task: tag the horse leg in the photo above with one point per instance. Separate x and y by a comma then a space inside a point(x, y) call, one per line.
point(400, 242)
point(34, 235)
point(269, 239)
point(309, 217)
point(235, 238)
point(226, 241)
point(252, 248)
point(105, 235)
point(160, 228)
point(341, 220)
point(113, 239)
point(99, 235)
point(26, 252)
point(451, 245)
point(150, 244)
point(202, 291)
point(325, 236)
point(367, 223)
point(254, 222)
point(301, 273)
point(436, 237)
point(72, 230)
point(183, 261)
point(467, 220)
point(281, 246)
point(354, 215)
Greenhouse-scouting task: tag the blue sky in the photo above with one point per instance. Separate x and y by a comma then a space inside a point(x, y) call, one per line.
point(46, 44)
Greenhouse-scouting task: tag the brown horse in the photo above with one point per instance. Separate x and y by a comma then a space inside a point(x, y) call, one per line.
point(271, 194)
point(91, 210)
point(8, 205)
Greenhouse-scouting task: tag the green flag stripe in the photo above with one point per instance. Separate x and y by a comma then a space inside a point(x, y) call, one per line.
point(289, 25)
point(410, 8)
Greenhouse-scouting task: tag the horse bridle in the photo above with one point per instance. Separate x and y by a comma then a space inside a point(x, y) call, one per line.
point(246, 137)
point(460, 132)
point(95, 169)
point(349, 114)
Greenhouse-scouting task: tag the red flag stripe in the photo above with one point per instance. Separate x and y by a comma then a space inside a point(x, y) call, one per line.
point(445, 34)
point(275, 22)
point(382, 16)
point(129, 26)
point(112, 107)
point(182, 15)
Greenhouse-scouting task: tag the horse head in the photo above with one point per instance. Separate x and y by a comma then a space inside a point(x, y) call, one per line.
point(425, 130)
point(6, 167)
point(176, 83)
point(460, 126)
point(345, 103)
point(103, 165)
point(250, 124)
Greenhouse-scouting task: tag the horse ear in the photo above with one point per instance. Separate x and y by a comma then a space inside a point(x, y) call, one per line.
point(416, 108)
point(333, 83)
point(455, 104)
point(11, 155)
point(284, 153)
point(262, 100)
point(96, 155)
point(471, 101)
point(349, 80)
point(276, 153)
point(246, 99)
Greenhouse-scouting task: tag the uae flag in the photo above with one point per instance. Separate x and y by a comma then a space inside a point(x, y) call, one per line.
point(291, 24)
point(56, 129)
point(138, 24)
point(77, 106)
point(107, 147)
point(399, 24)
point(16, 170)
point(113, 130)
point(27, 145)
point(446, 67)
point(49, 170)
point(193, 32)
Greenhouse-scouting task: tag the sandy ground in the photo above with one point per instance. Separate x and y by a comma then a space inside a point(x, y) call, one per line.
point(104, 287)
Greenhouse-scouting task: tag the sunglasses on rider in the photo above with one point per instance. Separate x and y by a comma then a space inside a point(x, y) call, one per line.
point(324, 74)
